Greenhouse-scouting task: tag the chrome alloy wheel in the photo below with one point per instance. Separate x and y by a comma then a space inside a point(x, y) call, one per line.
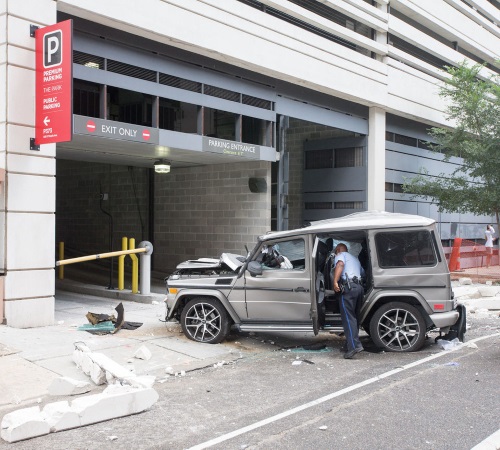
point(205, 320)
point(398, 327)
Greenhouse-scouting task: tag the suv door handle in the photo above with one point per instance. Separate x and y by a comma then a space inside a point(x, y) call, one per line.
point(300, 289)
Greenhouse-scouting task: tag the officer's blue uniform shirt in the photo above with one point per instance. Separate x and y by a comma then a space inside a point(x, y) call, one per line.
point(352, 266)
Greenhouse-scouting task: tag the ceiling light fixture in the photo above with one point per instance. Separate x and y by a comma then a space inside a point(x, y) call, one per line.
point(162, 166)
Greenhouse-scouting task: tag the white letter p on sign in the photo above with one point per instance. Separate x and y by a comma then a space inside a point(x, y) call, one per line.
point(52, 49)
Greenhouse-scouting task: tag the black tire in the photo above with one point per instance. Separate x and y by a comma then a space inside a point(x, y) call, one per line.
point(205, 320)
point(398, 327)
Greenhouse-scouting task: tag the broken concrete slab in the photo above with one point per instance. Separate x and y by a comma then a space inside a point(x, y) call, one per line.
point(143, 353)
point(98, 375)
point(102, 369)
point(68, 386)
point(60, 416)
point(488, 291)
point(115, 401)
point(24, 424)
point(466, 291)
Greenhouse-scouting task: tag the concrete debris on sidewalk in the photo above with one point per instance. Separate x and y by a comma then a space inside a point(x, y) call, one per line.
point(143, 353)
point(115, 401)
point(102, 369)
point(68, 386)
point(108, 324)
point(482, 300)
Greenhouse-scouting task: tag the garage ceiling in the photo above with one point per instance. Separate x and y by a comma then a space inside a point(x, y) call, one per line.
point(126, 153)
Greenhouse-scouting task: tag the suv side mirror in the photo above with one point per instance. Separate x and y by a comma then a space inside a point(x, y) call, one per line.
point(254, 268)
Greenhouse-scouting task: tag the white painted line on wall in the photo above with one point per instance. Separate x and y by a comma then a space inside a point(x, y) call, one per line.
point(320, 400)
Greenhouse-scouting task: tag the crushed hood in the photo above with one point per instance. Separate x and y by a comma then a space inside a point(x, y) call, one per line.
point(231, 260)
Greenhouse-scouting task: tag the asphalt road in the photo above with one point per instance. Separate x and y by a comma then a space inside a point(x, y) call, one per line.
point(432, 399)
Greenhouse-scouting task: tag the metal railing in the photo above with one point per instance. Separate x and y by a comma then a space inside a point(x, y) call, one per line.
point(145, 249)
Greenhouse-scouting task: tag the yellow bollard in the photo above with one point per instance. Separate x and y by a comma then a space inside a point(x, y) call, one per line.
point(135, 267)
point(61, 256)
point(121, 266)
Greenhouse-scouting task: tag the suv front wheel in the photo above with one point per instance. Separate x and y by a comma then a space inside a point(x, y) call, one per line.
point(398, 327)
point(204, 319)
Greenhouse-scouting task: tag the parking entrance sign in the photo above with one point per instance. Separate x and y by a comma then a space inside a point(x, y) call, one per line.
point(54, 83)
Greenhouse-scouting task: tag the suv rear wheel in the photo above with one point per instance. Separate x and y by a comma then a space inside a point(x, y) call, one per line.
point(204, 319)
point(398, 327)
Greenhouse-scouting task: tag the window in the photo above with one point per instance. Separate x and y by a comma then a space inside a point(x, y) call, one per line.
point(253, 131)
point(405, 140)
point(220, 124)
point(283, 255)
point(405, 249)
point(178, 116)
point(394, 187)
point(86, 98)
point(319, 159)
point(130, 106)
point(318, 205)
point(348, 205)
point(348, 157)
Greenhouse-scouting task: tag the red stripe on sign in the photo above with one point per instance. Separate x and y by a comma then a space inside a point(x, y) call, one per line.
point(146, 135)
point(91, 126)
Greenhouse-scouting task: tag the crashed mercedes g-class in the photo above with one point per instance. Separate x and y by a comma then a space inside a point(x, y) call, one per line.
point(284, 283)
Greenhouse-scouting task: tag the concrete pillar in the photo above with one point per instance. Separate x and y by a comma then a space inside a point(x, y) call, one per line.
point(27, 197)
point(376, 159)
point(381, 36)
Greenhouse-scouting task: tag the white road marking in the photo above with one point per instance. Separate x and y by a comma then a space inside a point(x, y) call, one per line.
point(320, 400)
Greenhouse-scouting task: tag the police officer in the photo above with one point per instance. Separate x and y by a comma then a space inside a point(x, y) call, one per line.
point(347, 274)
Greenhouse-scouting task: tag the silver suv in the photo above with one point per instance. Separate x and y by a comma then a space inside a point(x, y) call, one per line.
point(283, 284)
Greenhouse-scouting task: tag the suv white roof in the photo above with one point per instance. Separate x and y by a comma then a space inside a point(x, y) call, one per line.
point(357, 221)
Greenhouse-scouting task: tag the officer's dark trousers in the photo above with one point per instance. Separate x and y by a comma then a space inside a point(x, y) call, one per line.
point(350, 305)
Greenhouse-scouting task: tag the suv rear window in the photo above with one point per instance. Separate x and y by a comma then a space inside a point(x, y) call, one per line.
point(405, 249)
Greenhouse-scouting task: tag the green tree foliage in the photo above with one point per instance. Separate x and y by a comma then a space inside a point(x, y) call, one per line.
point(474, 108)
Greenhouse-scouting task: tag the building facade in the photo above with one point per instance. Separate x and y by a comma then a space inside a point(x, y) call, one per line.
point(270, 114)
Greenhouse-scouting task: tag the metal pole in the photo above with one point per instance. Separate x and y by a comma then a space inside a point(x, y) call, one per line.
point(135, 267)
point(99, 256)
point(145, 278)
point(121, 266)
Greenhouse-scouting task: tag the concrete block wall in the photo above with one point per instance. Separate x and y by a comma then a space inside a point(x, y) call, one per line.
point(198, 211)
point(81, 224)
point(207, 210)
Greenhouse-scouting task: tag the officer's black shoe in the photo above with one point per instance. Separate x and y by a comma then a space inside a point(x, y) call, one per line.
point(350, 354)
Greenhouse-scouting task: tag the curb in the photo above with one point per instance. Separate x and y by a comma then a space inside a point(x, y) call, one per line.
point(100, 291)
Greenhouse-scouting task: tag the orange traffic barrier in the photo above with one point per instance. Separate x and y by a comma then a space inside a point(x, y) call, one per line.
point(454, 263)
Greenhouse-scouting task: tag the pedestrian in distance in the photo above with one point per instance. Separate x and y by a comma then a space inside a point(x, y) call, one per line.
point(488, 234)
point(347, 282)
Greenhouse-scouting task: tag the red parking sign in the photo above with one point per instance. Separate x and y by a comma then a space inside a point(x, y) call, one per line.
point(54, 83)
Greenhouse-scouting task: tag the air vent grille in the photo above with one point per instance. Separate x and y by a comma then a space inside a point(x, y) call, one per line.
point(221, 93)
point(87, 60)
point(257, 102)
point(180, 83)
point(131, 71)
